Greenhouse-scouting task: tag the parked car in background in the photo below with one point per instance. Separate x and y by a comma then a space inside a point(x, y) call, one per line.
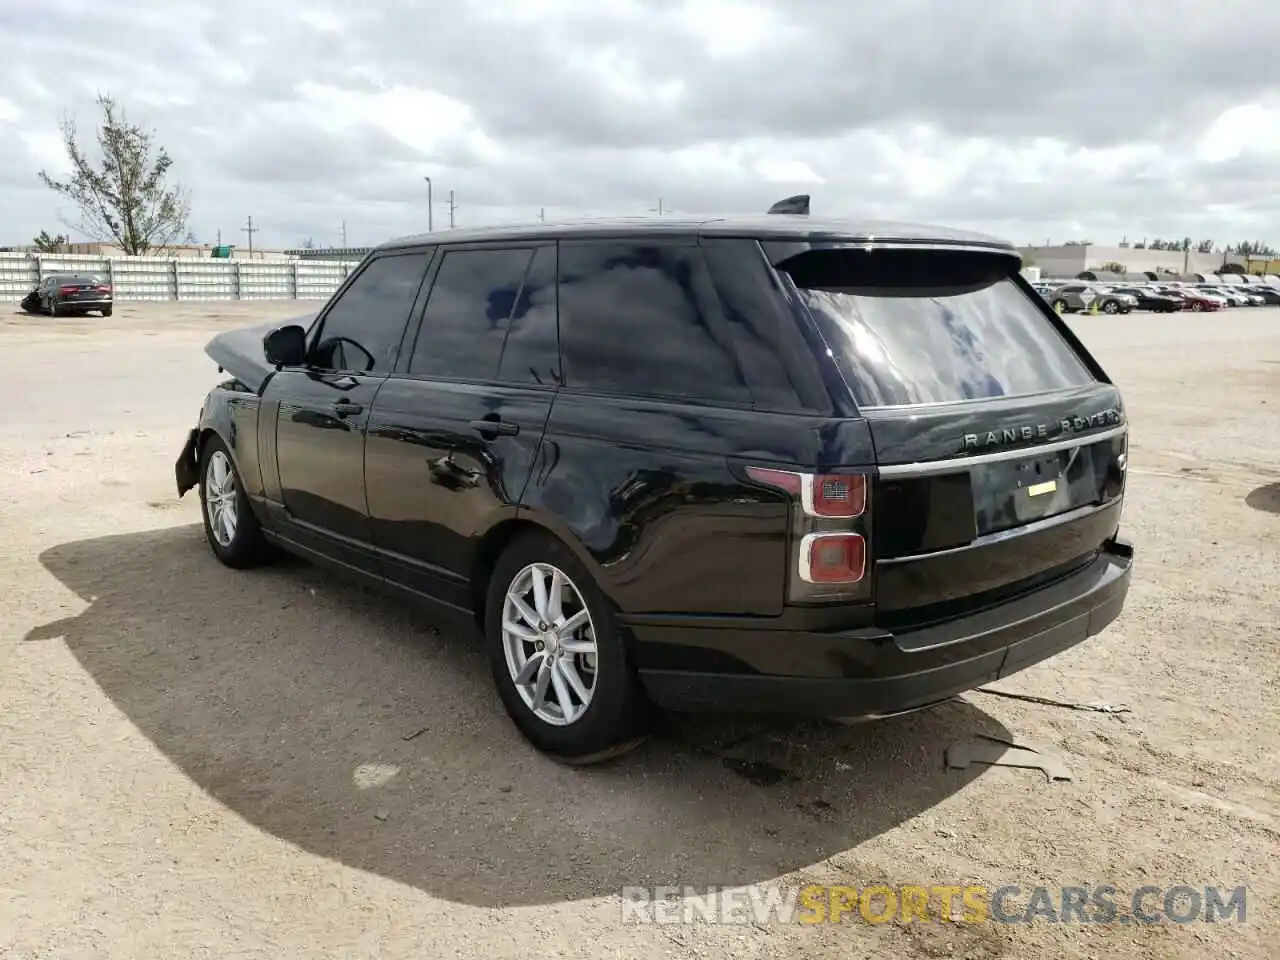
point(1229, 295)
point(1148, 299)
point(64, 294)
point(765, 464)
point(1197, 300)
point(1269, 295)
point(1078, 297)
point(1244, 294)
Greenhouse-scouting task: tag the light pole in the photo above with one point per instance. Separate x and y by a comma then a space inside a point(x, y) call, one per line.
point(428, 179)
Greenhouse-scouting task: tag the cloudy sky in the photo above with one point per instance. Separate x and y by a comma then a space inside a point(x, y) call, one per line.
point(1031, 120)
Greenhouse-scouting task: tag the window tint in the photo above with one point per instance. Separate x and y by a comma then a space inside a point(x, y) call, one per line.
point(644, 319)
point(468, 313)
point(779, 369)
point(910, 340)
point(531, 351)
point(362, 331)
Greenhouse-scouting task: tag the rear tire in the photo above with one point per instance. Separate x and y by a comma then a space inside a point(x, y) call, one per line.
point(1197, 307)
point(534, 669)
point(53, 307)
point(1110, 306)
point(230, 526)
point(106, 312)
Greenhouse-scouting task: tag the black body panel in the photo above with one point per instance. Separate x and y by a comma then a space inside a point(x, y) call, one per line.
point(438, 478)
point(319, 442)
point(645, 487)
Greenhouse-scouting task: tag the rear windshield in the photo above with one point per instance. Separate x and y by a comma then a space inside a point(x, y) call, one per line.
point(933, 328)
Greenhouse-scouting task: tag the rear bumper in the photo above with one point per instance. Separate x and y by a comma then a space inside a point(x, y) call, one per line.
point(83, 304)
point(868, 673)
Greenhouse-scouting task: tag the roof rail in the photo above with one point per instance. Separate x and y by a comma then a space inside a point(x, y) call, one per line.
point(797, 204)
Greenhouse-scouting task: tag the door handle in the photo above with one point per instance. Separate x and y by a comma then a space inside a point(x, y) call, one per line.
point(346, 408)
point(491, 427)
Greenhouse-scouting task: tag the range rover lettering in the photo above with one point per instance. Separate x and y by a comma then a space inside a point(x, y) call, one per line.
point(773, 463)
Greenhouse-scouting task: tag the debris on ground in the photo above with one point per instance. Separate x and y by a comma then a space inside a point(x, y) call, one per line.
point(1047, 702)
point(997, 752)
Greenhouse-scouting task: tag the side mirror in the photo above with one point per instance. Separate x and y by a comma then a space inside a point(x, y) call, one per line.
point(286, 346)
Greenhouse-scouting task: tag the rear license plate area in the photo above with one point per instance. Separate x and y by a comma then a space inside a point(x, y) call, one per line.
point(1013, 492)
point(1039, 486)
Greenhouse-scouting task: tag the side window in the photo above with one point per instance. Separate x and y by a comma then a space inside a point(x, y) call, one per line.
point(643, 319)
point(780, 370)
point(362, 330)
point(531, 349)
point(468, 313)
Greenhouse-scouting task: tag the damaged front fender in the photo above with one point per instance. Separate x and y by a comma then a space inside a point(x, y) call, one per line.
point(241, 354)
point(187, 468)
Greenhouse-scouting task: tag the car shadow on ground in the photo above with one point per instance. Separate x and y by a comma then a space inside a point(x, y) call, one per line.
point(1265, 498)
point(333, 719)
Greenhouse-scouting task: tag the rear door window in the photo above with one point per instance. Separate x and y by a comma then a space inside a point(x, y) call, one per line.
point(929, 327)
point(643, 319)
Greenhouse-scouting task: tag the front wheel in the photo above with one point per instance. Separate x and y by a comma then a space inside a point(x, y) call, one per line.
point(232, 529)
point(558, 656)
point(1197, 307)
point(1111, 307)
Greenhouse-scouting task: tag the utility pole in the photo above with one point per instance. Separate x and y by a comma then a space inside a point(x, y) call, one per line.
point(659, 206)
point(250, 229)
point(430, 206)
point(542, 214)
point(219, 237)
point(344, 234)
point(452, 207)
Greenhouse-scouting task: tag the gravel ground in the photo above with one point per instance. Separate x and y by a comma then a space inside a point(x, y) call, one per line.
point(200, 763)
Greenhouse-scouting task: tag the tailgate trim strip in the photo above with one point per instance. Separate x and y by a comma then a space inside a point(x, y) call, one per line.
point(957, 464)
point(1035, 526)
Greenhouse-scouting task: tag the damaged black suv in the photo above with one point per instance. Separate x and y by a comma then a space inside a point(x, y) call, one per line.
point(770, 463)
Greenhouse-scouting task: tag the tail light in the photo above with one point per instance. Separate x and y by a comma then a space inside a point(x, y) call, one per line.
point(67, 291)
point(829, 532)
point(103, 288)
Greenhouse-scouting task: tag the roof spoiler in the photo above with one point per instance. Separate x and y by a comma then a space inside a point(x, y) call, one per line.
point(797, 204)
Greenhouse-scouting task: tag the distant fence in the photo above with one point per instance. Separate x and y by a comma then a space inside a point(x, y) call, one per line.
point(165, 278)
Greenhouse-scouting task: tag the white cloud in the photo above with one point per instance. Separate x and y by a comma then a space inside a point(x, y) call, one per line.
point(1027, 120)
point(1238, 131)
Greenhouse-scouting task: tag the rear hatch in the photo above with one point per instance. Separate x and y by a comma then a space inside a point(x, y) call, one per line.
point(1000, 442)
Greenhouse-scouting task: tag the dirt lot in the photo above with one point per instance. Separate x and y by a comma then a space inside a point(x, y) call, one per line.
point(200, 763)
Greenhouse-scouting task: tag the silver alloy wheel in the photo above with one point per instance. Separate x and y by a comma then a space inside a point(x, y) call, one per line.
point(549, 642)
point(220, 498)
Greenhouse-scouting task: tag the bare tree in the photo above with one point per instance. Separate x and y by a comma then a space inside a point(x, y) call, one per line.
point(125, 197)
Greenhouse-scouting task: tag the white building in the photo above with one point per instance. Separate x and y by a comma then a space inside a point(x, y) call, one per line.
point(1069, 260)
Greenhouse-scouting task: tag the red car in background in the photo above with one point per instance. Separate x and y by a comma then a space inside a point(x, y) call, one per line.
point(1194, 300)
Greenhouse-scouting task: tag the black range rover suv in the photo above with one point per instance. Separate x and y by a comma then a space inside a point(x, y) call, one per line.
point(770, 463)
